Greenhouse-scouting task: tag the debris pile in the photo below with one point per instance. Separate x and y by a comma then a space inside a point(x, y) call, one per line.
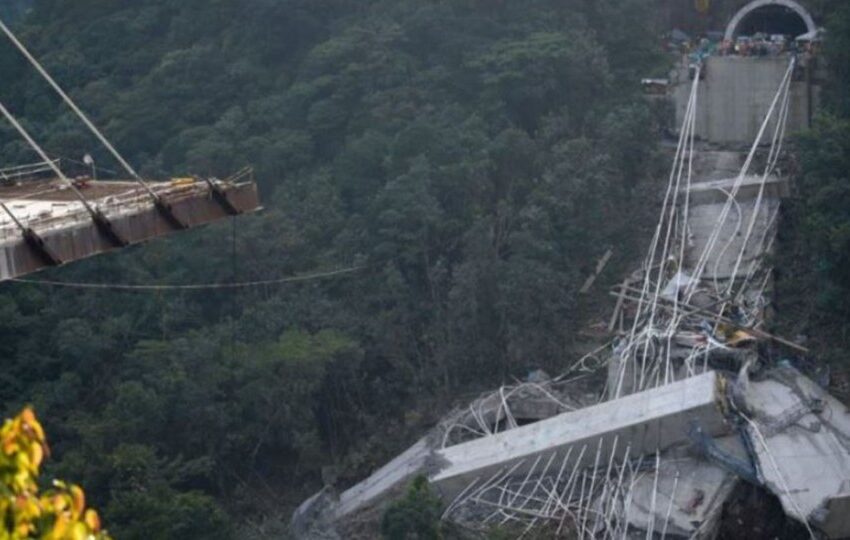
point(698, 396)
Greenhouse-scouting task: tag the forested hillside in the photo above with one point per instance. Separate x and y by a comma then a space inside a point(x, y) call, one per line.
point(12, 10)
point(475, 158)
point(814, 277)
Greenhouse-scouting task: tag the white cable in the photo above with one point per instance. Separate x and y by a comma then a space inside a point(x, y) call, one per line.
point(34, 145)
point(765, 246)
point(703, 260)
point(690, 111)
point(760, 438)
point(771, 162)
point(738, 222)
point(74, 107)
point(736, 186)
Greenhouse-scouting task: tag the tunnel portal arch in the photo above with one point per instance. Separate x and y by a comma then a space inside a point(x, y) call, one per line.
point(785, 16)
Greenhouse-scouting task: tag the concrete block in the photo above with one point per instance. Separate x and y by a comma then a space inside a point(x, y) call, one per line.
point(647, 422)
point(689, 498)
point(803, 448)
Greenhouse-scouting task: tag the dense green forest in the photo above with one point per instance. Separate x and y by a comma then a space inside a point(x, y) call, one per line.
point(474, 157)
point(814, 262)
point(12, 10)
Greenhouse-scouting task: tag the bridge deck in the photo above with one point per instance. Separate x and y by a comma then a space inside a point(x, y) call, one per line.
point(52, 210)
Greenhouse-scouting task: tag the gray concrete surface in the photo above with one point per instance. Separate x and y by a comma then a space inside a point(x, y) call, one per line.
point(647, 421)
point(387, 480)
point(691, 491)
point(68, 230)
point(704, 218)
point(802, 444)
point(736, 94)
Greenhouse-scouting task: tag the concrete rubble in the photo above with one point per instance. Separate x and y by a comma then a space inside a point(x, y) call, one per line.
point(801, 441)
point(691, 489)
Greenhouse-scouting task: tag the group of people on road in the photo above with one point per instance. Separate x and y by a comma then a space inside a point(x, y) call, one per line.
point(759, 44)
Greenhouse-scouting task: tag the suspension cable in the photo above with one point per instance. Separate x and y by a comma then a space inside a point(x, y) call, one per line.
point(773, 157)
point(710, 244)
point(85, 119)
point(646, 301)
point(34, 145)
point(102, 223)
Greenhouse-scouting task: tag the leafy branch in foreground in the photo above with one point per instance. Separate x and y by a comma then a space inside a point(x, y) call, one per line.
point(54, 514)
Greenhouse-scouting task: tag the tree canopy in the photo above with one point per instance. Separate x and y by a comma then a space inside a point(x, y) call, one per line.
point(814, 278)
point(31, 513)
point(475, 157)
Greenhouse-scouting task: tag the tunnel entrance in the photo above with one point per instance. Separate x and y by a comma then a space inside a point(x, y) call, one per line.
point(785, 17)
point(772, 20)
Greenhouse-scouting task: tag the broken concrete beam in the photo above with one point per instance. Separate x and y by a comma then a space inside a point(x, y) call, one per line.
point(320, 516)
point(311, 519)
point(801, 438)
point(646, 422)
point(387, 481)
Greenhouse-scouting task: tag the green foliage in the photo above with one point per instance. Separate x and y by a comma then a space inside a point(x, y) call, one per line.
point(416, 516)
point(30, 513)
point(815, 281)
point(825, 160)
point(12, 10)
point(837, 52)
point(476, 157)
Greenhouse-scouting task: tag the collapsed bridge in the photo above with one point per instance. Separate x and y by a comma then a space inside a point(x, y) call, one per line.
point(697, 396)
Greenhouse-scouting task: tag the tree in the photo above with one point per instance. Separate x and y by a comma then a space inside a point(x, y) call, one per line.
point(416, 516)
point(58, 513)
point(472, 158)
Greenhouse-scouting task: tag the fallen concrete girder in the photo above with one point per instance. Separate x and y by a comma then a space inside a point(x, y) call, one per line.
point(317, 517)
point(390, 479)
point(645, 423)
point(801, 438)
point(509, 407)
